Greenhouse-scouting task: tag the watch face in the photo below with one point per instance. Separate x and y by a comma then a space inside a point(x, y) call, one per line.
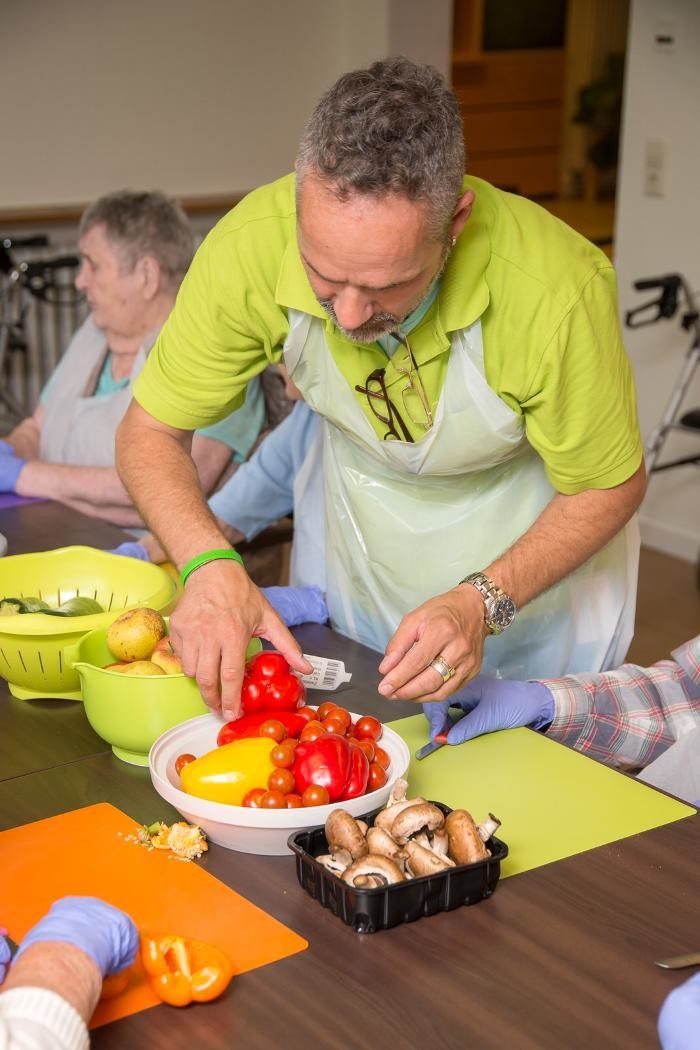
point(503, 613)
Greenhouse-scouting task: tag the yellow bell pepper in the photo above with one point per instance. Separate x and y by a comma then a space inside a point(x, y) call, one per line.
point(227, 773)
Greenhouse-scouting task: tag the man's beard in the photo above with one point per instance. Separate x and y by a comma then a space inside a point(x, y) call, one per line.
point(384, 323)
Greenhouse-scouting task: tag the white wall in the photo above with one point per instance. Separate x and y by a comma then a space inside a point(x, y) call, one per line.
point(657, 235)
point(195, 97)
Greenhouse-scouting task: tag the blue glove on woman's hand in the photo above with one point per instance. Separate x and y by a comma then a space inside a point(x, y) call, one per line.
point(492, 704)
point(679, 1020)
point(5, 956)
point(10, 468)
point(131, 549)
point(104, 933)
point(297, 604)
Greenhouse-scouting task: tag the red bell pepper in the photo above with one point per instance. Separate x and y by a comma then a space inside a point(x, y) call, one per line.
point(249, 725)
point(324, 762)
point(269, 685)
point(356, 784)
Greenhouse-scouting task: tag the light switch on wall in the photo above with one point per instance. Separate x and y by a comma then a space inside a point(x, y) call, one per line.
point(655, 169)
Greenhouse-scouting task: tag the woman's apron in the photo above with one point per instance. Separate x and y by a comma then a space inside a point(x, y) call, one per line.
point(79, 428)
point(406, 522)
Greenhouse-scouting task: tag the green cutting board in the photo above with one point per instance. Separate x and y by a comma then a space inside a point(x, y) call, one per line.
point(553, 802)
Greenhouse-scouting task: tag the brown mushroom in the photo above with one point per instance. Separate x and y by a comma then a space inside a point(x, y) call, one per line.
point(336, 862)
point(381, 842)
point(440, 841)
point(415, 819)
point(466, 844)
point(489, 827)
point(369, 882)
point(398, 792)
point(386, 817)
point(422, 861)
point(342, 832)
point(376, 867)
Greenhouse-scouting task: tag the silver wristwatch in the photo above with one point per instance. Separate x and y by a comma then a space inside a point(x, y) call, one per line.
point(499, 608)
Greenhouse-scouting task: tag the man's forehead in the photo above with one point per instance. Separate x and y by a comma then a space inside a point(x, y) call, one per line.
point(375, 243)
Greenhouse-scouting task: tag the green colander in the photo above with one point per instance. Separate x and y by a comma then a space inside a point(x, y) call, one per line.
point(128, 711)
point(32, 644)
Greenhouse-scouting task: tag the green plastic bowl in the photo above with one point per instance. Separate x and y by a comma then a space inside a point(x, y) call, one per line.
point(31, 646)
point(128, 711)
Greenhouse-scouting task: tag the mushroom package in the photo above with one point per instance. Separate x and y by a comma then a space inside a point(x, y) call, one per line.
point(410, 838)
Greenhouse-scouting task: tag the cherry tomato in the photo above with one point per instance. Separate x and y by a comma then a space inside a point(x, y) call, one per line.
point(252, 798)
point(312, 731)
point(369, 747)
point(315, 795)
point(381, 757)
point(377, 777)
point(282, 756)
point(274, 729)
point(343, 716)
point(181, 761)
point(307, 713)
point(293, 800)
point(325, 709)
point(272, 800)
point(368, 728)
point(333, 724)
point(281, 780)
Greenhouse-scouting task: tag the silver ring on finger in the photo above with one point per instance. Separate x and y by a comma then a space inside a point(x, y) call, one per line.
point(445, 670)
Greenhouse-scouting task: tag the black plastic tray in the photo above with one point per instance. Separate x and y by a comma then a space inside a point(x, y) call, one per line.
point(379, 909)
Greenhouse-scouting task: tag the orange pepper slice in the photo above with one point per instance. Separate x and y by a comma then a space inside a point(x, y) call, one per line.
point(181, 970)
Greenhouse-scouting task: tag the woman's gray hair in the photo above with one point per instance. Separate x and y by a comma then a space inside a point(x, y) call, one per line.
point(394, 127)
point(141, 224)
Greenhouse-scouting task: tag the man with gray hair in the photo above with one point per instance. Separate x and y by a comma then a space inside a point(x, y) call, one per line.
point(477, 429)
point(135, 249)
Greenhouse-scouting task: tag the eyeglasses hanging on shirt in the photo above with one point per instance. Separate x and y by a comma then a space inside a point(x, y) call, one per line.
point(414, 399)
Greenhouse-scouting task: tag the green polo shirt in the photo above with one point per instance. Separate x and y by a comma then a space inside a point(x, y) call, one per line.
point(546, 298)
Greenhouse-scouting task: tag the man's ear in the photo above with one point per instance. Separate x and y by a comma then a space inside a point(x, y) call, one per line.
point(148, 270)
point(462, 213)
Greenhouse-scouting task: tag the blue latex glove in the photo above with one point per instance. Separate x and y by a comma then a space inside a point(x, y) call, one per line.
point(492, 704)
point(679, 1020)
point(5, 956)
point(297, 604)
point(131, 549)
point(104, 933)
point(10, 469)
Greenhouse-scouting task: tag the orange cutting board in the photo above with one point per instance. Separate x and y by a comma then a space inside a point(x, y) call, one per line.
point(87, 852)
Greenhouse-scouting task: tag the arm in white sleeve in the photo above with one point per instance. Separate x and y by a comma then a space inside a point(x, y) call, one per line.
point(38, 1019)
point(262, 490)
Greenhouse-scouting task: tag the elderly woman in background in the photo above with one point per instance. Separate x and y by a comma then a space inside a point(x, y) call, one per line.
point(135, 249)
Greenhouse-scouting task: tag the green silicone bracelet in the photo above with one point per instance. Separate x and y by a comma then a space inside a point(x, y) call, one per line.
point(202, 559)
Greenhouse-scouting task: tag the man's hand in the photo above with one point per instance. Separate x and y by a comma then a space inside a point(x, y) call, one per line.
point(451, 626)
point(220, 611)
point(492, 704)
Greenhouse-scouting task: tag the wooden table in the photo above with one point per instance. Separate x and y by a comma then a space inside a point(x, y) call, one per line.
point(560, 957)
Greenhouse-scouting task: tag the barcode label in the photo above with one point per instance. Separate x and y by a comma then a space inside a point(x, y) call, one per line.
point(327, 674)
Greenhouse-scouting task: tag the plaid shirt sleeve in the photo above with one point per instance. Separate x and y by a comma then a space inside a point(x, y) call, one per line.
point(628, 717)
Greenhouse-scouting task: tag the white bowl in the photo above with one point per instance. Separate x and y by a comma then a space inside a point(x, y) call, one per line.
point(238, 827)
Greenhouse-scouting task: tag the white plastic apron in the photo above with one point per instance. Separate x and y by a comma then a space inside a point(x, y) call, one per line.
point(307, 565)
point(405, 522)
point(78, 427)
